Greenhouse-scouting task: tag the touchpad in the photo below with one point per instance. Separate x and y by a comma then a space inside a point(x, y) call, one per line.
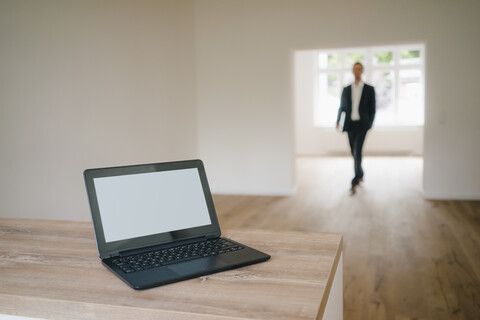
point(197, 266)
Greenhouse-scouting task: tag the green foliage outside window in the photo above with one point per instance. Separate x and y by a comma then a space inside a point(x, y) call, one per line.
point(384, 57)
point(354, 57)
point(333, 60)
point(410, 54)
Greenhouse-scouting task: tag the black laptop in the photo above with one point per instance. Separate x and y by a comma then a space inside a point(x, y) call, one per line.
point(156, 224)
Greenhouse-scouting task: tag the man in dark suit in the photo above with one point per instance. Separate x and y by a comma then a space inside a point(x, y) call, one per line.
point(358, 103)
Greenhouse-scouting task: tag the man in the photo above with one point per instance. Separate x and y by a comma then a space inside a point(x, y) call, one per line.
point(358, 103)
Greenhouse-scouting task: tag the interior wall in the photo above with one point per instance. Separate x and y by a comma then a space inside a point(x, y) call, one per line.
point(452, 133)
point(243, 98)
point(245, 79)
point(90, 84)
point(321, 141)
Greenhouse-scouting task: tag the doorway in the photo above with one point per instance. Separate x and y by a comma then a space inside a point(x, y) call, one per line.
point(398, 127)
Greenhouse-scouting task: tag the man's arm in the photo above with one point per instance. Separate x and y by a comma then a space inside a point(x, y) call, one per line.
point(372, 107)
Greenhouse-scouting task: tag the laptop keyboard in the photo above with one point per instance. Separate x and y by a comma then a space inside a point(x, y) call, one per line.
point(178, 254)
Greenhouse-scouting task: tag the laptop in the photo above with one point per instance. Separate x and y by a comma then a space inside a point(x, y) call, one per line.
point(156, 224)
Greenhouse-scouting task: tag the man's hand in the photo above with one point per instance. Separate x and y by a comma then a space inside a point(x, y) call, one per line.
point(337, 125)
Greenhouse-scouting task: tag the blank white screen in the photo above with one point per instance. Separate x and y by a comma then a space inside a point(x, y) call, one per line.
point(149, 203)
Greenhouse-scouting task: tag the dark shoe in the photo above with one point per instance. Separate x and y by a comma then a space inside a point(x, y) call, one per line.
point(353, 189)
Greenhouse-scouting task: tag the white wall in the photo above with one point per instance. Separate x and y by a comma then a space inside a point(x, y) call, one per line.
point(244, 98)
point(312, 140)
point(245, 79)
point(89, 84)
point(452, 132)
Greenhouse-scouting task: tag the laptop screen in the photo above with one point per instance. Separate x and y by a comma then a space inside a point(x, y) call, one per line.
point(144, 204)
point(147, 205)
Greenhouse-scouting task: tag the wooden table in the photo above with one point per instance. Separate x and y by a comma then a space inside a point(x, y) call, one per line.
point(51, 270)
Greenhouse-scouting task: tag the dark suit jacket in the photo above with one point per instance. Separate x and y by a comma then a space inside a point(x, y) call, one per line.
point(366, 107)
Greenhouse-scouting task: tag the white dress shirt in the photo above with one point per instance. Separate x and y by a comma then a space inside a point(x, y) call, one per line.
point(356, 96)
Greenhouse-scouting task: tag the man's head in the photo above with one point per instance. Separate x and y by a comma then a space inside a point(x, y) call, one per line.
point(357, 71)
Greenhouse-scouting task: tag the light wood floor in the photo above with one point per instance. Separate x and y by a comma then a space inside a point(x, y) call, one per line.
point(404, 257)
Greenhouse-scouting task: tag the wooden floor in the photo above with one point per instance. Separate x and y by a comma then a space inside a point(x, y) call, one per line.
point(404, 257)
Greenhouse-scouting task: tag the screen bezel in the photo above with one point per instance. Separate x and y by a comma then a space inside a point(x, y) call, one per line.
point(109, 249)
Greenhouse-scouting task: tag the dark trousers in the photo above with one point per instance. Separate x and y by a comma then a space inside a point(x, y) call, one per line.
point(356, 137)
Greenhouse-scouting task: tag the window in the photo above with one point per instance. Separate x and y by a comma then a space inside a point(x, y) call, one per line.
point(396, 72)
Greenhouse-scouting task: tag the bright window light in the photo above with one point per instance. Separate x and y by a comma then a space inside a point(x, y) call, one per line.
point(396, 72)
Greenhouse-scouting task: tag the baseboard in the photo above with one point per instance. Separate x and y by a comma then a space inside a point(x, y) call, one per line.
point(451, 196)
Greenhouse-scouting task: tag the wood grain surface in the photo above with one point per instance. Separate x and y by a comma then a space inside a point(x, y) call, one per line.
point(50, 269)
